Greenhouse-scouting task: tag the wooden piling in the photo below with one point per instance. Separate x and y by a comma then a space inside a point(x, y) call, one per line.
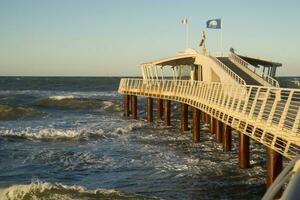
point(159, 109)
point(126, 105)
point(149, 109)
point(184, 117)
point(219, 131)
point(134, 106)
point(167, 112)
point(244, 161)
point(196, 125)
point(274, 165)
point(226, 137)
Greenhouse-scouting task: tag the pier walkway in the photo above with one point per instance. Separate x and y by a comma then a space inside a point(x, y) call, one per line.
point(227, 91)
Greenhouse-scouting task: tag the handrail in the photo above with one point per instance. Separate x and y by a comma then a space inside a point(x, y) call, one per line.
point(250, 70)
point(269, 115)
point(228, 70)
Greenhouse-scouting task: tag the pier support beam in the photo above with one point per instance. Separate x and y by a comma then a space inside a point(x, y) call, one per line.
point(167, 112)
point(226, 137)
point(159, 109)
point(196, 125)
point(184, 117)
point(134, 106)
point(149, 109)
point(243, 151)
point(274, 165)
point(126, 105)
point(219, 131)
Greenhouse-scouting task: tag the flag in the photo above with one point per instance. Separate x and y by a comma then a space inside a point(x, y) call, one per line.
point(214, 24)
point(184, 21)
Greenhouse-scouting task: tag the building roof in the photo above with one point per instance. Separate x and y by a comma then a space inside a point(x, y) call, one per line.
point(186, 57)
point(260, 61)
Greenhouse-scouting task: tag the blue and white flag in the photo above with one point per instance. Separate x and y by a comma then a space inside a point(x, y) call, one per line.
point(214, 23)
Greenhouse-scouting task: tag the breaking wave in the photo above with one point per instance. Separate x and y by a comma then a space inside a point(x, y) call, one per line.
point(71, 102)
point(44, 190)
point(53, 133)
point(13, 112)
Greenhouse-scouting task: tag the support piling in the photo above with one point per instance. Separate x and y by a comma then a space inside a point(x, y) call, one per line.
point(159, 109)
point(134, 106)
point(274, 165)
point(184, 117)
point(149, 109)
point(126, 105)
point(219, 131)
point(226, 137)
point(196, 125)
point(167, 112)
point(244, 151)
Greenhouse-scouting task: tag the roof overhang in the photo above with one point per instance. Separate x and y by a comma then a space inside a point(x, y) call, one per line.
point(182, 58)
point(259, 61)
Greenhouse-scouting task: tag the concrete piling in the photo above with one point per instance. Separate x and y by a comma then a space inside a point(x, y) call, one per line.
point(226, 137)
point(196, 125)
point(149, 109)
point(183, 117)
point(244, 161)
point(167, 112)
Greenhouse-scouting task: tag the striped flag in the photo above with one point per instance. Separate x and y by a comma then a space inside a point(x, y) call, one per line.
point(184, 21)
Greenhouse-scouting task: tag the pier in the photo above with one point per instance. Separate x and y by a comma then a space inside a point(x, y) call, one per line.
point(227, 92)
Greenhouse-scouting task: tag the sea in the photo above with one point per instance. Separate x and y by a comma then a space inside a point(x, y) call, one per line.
point(66, 138)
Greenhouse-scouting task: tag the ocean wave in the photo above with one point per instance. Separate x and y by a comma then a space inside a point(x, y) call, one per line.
point(128, 128)
point(52, 133)
point(59, 191)
point(13, 112)
point(72, 102)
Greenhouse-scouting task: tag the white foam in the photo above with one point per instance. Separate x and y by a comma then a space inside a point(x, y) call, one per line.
point(44, 190)
point(58, 98)
point(51, 133)
point(107, 104)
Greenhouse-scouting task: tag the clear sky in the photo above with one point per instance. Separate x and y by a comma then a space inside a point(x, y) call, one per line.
point(111, 37)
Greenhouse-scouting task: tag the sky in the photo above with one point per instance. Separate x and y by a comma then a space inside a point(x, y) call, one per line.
point(111, 38)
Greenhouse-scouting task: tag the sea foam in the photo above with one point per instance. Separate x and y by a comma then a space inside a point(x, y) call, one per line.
point(44, 190)
point(52, 133)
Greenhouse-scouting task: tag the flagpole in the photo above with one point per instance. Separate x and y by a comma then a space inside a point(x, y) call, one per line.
point(186, 34)
point(222, 36)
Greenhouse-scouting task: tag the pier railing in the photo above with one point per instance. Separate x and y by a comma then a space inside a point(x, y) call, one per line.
point(269, 115)
point(236, 77)
point(264, 80)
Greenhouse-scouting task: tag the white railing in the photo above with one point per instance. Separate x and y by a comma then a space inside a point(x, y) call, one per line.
point(236, 77)
point(269, 115)
point(251, 70)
